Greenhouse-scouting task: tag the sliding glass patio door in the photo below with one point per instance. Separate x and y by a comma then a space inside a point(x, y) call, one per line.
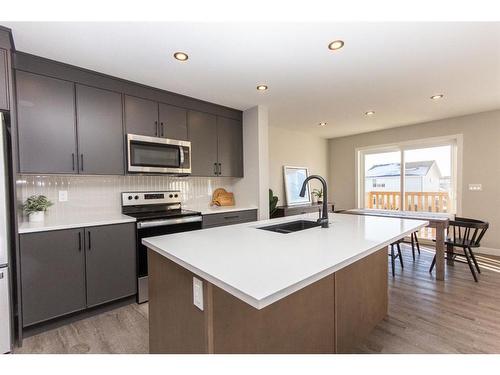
point(419, 176)
point(428, 183)
point(382, 182)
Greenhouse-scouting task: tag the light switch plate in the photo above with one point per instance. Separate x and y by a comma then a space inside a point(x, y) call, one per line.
point(198, 293)
point(475, 187)
point(63, 195)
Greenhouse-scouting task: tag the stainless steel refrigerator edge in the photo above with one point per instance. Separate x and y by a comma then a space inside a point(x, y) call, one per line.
point(5, 309)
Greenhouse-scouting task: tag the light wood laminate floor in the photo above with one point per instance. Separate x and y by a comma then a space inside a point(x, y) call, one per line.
point(458, 316)
point(123, 330)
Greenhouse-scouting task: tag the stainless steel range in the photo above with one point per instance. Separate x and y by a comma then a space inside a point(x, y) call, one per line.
point(158, 213)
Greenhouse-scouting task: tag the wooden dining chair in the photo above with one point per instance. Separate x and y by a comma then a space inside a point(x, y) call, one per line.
point(466, 234)
point(414, 244)
point(393, 255)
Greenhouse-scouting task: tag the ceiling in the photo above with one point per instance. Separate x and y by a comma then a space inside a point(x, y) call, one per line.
point(391, 68)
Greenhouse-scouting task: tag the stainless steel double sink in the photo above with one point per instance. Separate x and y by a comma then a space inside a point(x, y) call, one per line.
point(291, 226)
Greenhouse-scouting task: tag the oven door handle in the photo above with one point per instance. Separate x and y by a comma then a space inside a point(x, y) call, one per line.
point(160, 223)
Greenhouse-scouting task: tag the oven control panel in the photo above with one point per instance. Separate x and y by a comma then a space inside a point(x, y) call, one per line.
point(136, 198)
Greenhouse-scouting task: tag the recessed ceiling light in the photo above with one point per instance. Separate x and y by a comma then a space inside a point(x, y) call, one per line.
point(336, 44)
point(322, 124)
point(369, 113)
point(437, 96)
point(181, 56)
point(262, 87)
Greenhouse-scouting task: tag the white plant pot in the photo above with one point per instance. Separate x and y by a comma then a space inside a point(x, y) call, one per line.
point(36, 217)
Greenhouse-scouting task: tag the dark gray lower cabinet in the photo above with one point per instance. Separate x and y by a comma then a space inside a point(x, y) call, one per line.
point(203, 136)
point(110, 259)
point(100, 131)
point(69, 270)
point(229, 218)
point(52, 274)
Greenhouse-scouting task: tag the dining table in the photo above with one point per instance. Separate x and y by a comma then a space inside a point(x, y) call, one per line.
point(437, 220)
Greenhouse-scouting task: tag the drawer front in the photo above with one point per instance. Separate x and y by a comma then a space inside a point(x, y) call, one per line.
point(228, 218)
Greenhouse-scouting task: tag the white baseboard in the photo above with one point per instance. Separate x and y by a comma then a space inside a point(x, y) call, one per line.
point(487, 251)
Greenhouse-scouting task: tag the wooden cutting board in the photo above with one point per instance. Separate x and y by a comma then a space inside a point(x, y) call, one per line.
point(220, 197)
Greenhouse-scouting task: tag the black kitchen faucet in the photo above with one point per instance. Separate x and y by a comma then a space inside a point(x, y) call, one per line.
point(323, 220)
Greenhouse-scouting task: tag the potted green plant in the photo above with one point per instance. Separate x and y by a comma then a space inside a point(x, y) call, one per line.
point(273, 202)
point(318, 194)
point(35, 207)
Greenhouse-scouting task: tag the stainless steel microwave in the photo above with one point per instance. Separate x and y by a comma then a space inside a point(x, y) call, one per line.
point(158, 155)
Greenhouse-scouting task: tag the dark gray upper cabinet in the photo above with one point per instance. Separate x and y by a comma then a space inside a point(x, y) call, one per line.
point(230, 147)
point(111, 262)
point(203, 136)
point(78, 126)
point(46, 124)
point(52, 274)
point(173, 122)
point(147, 117)
point(4, 81)
point(141, 116)
point(216, 145)
point(100, 131)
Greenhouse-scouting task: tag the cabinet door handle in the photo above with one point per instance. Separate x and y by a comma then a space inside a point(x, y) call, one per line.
point(81, 164)
point(220, 169)
point(162, 130)
point(79, 241)
point(231, 217)
point(90, 243)
point(215, 169)
point(156, 128)
point(73, 160)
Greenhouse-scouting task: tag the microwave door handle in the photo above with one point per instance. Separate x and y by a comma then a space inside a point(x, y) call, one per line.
point(181, 150)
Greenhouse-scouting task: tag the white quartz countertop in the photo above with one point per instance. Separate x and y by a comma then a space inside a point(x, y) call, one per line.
point(69, 221)
point(261, 267)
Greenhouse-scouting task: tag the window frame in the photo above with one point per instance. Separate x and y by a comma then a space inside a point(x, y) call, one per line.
point(455, 140)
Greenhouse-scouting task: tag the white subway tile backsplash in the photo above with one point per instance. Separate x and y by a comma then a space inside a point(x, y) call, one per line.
point(96, 194)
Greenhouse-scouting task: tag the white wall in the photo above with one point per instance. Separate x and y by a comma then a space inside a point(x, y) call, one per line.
point(287, 147)
point(252, 188)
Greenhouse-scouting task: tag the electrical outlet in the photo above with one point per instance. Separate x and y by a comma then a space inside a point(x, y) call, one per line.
point(475, 187)
point(198, 293)
point(63, 195)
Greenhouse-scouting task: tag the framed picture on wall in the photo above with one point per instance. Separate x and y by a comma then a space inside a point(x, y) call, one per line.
point(294, 178)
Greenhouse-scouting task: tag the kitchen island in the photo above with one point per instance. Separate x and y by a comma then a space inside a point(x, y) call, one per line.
point(312, 291)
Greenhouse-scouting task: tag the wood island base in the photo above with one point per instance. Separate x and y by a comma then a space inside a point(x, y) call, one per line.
point(331, 315)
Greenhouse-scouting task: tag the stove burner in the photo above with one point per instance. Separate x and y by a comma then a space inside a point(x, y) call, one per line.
point(154, 205)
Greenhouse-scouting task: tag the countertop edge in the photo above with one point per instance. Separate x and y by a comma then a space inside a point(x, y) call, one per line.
point(125, 219)
point(266, 301)
point(82, 224)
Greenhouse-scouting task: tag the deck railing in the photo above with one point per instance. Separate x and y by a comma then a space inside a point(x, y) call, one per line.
point(435, 201)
